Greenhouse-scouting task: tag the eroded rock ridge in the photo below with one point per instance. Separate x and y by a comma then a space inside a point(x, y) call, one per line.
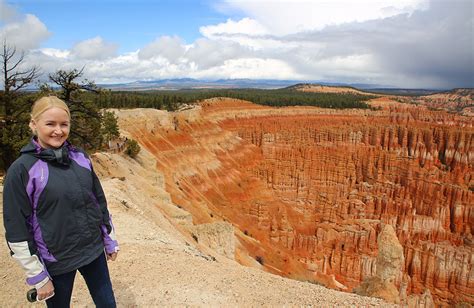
point(309, 189)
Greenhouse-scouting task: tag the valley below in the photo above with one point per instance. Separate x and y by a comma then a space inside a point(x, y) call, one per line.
point(308, 190)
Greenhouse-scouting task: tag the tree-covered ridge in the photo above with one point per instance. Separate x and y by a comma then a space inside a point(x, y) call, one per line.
point(172, 100)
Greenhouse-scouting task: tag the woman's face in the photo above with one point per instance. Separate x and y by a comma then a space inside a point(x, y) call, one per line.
point(52, 128)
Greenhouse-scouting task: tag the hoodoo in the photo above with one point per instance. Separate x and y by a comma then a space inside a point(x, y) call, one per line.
point(389, 268)
point(309, 190)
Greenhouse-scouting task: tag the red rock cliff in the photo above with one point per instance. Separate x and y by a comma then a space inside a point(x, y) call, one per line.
point(310, 188)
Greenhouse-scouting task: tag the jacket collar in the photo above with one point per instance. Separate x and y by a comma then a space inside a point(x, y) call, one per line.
point(59, 155)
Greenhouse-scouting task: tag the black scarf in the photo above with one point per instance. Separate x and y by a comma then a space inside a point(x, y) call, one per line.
point(59, 156)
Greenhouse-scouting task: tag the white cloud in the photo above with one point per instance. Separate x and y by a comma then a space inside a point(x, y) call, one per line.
point(431, 48)
point(405, 43)
point(170, 48)
point(253, 68)
point(207, 53)
point(130, 67)
point(7, 12)
point(283, 17)
point(245, 26)
point(58, 53)
point(246, 32)
point(94, 49)
point(26, 33)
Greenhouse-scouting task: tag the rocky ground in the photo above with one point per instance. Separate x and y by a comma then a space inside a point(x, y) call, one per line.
point(157, 266)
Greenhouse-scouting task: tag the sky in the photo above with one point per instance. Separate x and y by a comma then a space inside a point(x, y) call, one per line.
point(400, 43)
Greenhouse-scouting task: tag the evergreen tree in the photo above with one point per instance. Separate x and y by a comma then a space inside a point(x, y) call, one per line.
point(86, 118)
point(110, 127)
point(14, 104)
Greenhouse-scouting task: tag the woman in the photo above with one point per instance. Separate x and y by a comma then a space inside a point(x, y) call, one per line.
point(55, 212)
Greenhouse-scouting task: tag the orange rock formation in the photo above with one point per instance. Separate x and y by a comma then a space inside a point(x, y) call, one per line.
point(309, 188)
point(390, 262)
point(458, 100)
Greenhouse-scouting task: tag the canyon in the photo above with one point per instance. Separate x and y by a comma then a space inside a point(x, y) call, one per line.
point(309, 190)
point(459, 101)
point(160, 264)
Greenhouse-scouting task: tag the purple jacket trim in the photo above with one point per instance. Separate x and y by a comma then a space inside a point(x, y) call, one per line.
point(38, 177)
point(80, 159)
point(38, 278)
point(37, 145)
point(109, 243)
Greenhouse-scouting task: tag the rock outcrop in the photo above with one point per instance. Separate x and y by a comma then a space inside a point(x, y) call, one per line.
point(219, 236)
point(309, 189)
point(459, 101)
point(389, 268)
point(424, 300)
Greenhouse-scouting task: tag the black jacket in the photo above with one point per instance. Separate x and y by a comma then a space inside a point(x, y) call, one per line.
point(55, 206)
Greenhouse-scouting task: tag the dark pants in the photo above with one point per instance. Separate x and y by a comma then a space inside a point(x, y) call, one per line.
point(96, 275)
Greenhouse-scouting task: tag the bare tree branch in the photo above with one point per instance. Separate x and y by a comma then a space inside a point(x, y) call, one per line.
point(14, 80)
point(12, 108)
point(86, 119)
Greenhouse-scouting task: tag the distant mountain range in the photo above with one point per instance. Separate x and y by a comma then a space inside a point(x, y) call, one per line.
point(190, 83)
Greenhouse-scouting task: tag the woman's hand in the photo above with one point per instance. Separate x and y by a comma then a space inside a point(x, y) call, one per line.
point(112, 256)
point(45, 291)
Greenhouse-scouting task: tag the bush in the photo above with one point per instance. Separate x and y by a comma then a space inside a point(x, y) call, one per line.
point(132, 149)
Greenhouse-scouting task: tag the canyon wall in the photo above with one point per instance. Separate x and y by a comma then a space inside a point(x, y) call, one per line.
point(460, 101)
point(309, 189)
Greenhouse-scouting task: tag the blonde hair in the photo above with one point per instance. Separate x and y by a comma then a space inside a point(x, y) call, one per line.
point(45, 103)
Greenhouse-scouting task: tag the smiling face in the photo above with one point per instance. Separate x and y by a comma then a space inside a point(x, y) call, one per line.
point(52, 127)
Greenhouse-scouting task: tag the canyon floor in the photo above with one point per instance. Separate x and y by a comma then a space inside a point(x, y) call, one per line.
point(158, 267)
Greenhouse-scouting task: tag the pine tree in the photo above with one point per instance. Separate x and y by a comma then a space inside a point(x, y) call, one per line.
point(85, 116)
point(14, 104)
point(110, 129)
point(133, 148)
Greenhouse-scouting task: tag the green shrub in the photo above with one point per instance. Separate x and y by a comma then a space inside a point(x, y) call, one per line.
point(132, 149)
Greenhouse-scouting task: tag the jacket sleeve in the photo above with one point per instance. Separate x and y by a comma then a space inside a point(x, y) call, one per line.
point(16, 212)
point(107, 228)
